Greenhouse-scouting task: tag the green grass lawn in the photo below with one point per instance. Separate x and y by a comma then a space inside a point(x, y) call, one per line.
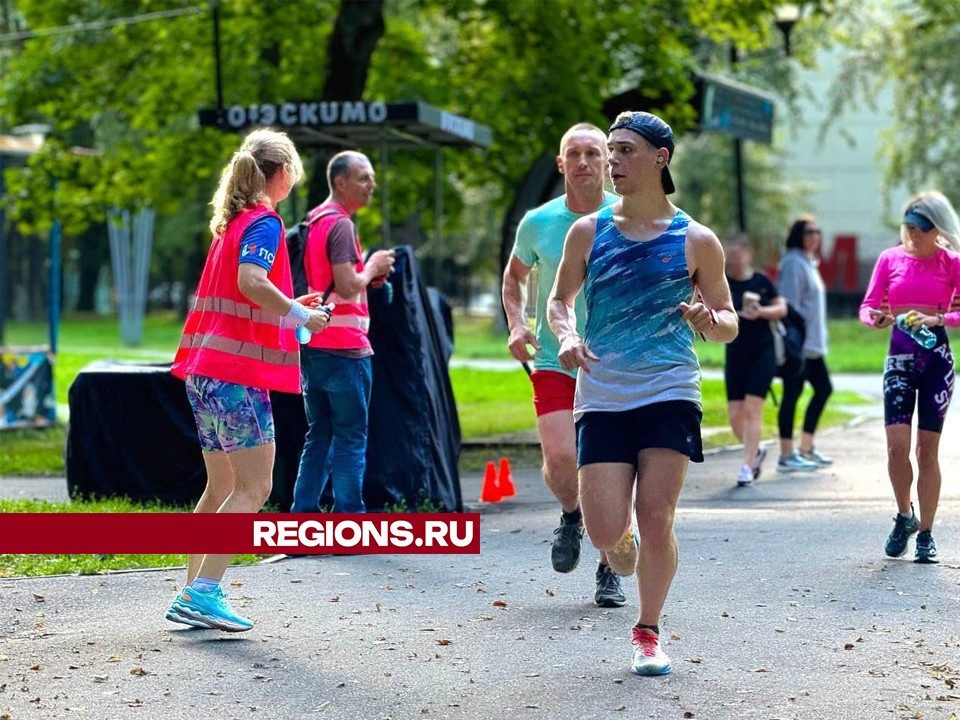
point(85, 339)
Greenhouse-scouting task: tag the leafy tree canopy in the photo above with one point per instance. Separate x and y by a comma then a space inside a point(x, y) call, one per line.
point(527, 68)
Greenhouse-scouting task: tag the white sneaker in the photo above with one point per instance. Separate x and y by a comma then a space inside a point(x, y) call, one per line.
point(648, 656)
point(745, 477)
point(794, 463)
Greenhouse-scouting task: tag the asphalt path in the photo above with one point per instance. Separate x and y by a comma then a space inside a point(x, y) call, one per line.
point(784, 607)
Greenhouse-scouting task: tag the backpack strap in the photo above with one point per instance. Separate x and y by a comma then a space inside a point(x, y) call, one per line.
point(307, 222)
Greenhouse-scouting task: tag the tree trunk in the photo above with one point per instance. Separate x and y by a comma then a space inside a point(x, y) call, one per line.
point(356, 33)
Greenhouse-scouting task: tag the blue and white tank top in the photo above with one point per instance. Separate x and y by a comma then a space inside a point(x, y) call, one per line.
point(633, 325)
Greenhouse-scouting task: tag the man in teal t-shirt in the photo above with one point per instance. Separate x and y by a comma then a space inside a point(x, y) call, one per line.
point(582, 162)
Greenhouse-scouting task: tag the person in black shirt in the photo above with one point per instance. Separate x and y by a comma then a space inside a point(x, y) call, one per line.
point(750, 359)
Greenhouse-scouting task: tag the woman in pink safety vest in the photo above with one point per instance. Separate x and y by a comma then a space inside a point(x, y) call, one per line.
point(238, 344)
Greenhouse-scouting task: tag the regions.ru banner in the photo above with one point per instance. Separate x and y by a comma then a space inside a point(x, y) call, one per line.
point(239, 533)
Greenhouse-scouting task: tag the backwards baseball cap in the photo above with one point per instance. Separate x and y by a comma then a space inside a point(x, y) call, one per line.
point(914, 216)
point(656, 132)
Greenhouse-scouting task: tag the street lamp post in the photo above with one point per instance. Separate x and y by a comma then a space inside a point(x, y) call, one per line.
point(787, 16)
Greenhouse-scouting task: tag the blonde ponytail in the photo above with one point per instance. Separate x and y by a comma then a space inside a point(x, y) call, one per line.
point(243, 182)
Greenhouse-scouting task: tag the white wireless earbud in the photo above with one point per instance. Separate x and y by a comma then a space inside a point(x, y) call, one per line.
point(659, 159)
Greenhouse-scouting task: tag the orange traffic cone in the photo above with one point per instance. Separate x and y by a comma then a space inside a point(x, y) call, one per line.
point(491, 488)
point(507, 487)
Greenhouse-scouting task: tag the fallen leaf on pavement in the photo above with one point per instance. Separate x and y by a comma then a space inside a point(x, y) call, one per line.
point(499, 603)
point(138, 671)
point(442, 641)
point(38, 598)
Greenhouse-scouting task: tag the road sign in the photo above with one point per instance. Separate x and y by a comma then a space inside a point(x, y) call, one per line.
point(735, 109)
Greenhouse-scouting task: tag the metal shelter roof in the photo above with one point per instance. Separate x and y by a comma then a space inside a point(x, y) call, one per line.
point(355, 123)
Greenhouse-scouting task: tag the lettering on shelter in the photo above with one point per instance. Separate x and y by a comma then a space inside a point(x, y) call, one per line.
point(289, 114)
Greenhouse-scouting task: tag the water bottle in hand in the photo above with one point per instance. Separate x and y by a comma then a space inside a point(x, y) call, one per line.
point(923, 335)
point(303, 334)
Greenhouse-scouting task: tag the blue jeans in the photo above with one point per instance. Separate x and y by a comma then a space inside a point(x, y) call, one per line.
point(336, 393)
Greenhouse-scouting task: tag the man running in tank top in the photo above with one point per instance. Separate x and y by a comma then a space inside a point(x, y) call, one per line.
point(653, 278)
point(583, 163)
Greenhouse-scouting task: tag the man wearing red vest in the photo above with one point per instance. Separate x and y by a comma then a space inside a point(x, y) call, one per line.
point(335, 365)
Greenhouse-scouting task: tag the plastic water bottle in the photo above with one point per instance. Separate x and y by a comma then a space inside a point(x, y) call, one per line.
point(303, 334)
point(388, 289)
point(923, 335)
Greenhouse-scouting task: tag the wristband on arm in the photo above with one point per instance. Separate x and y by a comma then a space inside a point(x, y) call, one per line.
point(296, 317)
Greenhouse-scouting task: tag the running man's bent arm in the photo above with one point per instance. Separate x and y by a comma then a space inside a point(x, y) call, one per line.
point(570, 277)
point(514, 296)
point(715, 317)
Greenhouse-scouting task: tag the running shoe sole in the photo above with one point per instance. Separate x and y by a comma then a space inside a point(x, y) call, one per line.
point(173, 616)
point(191, 616)
point(652, 673)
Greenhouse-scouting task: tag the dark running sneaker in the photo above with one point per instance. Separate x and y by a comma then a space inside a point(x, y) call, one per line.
point(926, 549)
point(609, 593)
point(565, 554)
point(761, 456)
point(903, 528)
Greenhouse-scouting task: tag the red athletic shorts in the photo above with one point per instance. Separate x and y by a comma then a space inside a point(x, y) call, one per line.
point(552, 391)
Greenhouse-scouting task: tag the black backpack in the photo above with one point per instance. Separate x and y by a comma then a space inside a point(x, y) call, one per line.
point(788, 335)
point(296, 240)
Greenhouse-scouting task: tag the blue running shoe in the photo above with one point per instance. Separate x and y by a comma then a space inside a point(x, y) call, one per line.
point(211, 609)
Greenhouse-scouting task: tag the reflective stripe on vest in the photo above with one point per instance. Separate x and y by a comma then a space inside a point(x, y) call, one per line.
point(241, 349)
point(361, 322)
point(233, 308)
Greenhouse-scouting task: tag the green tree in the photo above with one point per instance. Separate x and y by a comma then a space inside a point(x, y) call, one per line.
point(527, 68)
point(906, 48)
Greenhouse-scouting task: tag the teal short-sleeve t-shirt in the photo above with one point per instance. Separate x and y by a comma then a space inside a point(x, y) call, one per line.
point(539, 245)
